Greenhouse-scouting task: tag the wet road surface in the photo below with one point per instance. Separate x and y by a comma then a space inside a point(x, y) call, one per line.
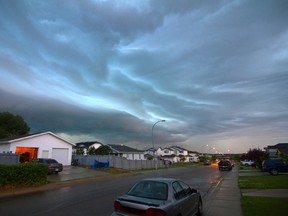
point(96, 196)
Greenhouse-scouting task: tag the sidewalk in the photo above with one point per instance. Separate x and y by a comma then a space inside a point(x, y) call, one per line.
point(225, 199)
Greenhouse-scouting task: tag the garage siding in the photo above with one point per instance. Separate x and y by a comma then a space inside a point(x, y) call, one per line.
point(61, 155)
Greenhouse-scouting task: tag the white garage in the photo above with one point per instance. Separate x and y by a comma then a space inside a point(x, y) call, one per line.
point(40, 145)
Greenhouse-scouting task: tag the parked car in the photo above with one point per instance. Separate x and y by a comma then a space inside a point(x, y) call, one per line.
point(247, 163)
point(225, 165)
point(207, 162)
point(274, 166)
point(53, 165)
point(161, 197)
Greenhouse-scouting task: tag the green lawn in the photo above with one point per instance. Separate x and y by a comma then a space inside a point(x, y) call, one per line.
point(248, 168)
point(263, 182)
point(264, 206)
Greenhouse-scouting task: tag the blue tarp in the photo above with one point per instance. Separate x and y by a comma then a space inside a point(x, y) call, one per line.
point(100, 165)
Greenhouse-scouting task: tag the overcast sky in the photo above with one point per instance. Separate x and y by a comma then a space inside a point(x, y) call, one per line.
point(216, 71)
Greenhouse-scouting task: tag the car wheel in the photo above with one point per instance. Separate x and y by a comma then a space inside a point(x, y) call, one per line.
point(200, 208)
point(274, 172)
point(56, 172)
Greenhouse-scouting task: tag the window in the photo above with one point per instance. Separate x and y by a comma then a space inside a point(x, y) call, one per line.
point(186, 188)
point(178, 191)
point(150, 190)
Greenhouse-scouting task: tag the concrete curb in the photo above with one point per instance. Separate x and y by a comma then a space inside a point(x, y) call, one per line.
point(225, 200)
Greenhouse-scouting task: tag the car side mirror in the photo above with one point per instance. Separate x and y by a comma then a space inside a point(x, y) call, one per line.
point(193, 190)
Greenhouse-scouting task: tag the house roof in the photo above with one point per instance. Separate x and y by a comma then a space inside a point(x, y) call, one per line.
point(282, 147)
point(87, 144)
point(152, 149)
point(123, 149)
point(28, 136)
point(178, 148)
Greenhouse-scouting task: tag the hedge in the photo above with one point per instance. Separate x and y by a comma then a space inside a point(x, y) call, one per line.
point(23, 174)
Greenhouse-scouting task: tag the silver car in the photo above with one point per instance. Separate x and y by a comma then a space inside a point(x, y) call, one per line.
point(161, 197)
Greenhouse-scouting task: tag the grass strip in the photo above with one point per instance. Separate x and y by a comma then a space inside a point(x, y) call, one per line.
point(263, 182)
point(268, 206)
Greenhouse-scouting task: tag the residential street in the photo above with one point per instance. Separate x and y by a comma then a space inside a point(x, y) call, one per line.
point(95, 197)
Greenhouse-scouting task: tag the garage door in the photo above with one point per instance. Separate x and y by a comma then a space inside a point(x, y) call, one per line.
point(61, 155)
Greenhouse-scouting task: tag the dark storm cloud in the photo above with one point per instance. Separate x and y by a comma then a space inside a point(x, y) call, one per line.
point(215, 70)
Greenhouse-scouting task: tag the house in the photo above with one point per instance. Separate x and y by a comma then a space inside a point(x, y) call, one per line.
point(84, 146)
point(276, 150)
point(39, 145)
point(153, 153)
point(173, 154)
point(193, 156)
point(179, 151)
point(126, 152)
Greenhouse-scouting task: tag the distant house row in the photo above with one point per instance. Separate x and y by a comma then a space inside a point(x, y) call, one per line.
point(49, 145)
point(171, 154)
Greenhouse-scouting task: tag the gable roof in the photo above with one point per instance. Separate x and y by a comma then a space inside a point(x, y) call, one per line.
point(282, 147)
point(87, 144)
point(123, 149)
point(28, 136)
point(178, 148)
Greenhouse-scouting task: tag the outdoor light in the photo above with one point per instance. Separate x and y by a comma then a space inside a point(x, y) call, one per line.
point(153, 130)
point(153, 138)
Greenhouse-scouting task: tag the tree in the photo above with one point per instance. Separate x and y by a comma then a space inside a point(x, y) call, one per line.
point(284, 156)
point(256, 155)
point(80, 151)
point(12, 125)
point(91, 151)
point(102, 150)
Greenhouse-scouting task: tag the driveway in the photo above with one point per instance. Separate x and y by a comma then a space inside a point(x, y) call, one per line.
point(75, 172)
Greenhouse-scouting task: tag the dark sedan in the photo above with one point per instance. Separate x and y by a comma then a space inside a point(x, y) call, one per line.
point(53, 165)
point(225, 165)
point(161, 197)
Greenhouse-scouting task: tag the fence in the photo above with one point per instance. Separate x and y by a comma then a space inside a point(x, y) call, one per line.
point(118, 162)
point(9, 158)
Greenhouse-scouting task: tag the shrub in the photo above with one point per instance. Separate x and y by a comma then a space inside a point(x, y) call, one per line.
point(23, 174)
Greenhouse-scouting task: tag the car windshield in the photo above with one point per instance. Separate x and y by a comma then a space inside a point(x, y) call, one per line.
point(150, 189)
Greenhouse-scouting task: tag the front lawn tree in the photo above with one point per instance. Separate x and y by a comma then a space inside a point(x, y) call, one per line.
point(102, 150)
point(12, 125)
point(257, 155)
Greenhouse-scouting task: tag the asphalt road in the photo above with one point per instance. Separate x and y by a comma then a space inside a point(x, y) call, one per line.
point(96, 197)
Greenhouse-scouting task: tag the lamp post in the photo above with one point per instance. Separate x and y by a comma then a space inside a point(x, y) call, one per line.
point(153, 137)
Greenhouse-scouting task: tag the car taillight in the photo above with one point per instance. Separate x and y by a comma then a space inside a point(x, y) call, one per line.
point(117, 205)
point(49, 165)
point(155, 212)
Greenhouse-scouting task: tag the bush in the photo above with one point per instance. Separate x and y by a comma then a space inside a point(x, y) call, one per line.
point(23, 174)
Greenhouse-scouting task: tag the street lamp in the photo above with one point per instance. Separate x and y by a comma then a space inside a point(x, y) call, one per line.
point(153, 135)
point(153, 141)
point(202, 148)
